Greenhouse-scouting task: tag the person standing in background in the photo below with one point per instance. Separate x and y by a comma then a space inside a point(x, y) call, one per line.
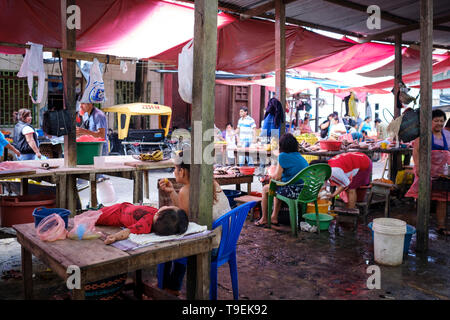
point(25, 138)
point(245, 133)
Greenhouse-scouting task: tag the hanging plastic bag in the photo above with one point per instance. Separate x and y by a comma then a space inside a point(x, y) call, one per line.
point(95, 88)
point(186, 71)
point(51, 228)
point(84, 226)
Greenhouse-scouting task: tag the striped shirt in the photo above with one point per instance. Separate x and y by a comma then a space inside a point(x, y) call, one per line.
point(246, 126)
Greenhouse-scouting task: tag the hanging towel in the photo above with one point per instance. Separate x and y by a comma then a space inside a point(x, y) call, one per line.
point(33, 65)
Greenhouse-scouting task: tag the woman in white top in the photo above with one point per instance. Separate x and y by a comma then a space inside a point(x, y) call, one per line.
point(25, 138)
point(336, 128)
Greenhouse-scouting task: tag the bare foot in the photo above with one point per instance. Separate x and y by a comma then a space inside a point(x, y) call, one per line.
point(260, 223)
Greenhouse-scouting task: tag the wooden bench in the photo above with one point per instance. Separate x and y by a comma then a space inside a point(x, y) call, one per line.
point(248, 198)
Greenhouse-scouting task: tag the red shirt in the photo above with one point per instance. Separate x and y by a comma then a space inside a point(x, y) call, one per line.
point(350, 161)
point(139, 219)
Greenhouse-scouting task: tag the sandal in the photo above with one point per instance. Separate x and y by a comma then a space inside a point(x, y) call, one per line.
point(260, 224)
point(443, 231)
point(275, 224)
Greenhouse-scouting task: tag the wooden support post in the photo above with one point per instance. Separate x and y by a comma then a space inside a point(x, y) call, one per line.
point(203, 98)
point(69, 65)
point(93, 184)
point(397, 72)
point(316, 123)
point(140, 87)
point(426, 47)
point(280, 55)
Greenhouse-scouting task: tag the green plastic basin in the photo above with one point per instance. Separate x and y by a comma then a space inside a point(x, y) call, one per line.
point(324, 220)
point(86, 151)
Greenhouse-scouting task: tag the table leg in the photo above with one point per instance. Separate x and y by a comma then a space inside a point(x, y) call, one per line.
point(93, 183)
point(137, 187)
point(138, 285)
point(146, 186)
point(197, 284)
point(24, 186)
point(249, 187)
point(27, 273)
point(71, 194)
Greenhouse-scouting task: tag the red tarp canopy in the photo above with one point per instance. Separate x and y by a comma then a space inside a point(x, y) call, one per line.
point(442, 84)
point(410, 63)
point(248, 47)
point(360, 92)
point(352, 58)
point(127, 28)
point(439, 67)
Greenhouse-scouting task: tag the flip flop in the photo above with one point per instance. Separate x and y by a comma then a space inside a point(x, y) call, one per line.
point(259, 225)
point(275, 224)
point(443, 231)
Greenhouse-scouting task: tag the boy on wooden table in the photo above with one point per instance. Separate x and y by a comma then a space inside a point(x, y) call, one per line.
point(142, 219)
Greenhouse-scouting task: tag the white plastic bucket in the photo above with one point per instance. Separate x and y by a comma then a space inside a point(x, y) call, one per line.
point(389, 235)
point(105, 192)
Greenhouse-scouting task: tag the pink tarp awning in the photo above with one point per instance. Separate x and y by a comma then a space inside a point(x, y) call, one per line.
point(352, 58)
point(439, 67)
point(293, 86)
point(248, 47)
point(442, 84)
point(410, 63)
point(128, 28)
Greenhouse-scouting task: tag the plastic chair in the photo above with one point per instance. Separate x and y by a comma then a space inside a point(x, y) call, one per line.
point(232, 223)
point(313, 176)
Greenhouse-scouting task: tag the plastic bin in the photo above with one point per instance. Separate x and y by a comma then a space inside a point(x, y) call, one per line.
point(86, 151)
point(42, 212)
point(231, 195)
point(324, 220)
point(19, 209)
point(410, 230)
point(388, 239)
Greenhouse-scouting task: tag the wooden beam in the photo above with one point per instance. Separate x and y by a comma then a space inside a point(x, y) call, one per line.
point(72, 54)
point(408, 28)
point(69, 74)
point(262, 9)
point(426, 61)
point(397, 72)
point(203, 97)
point(280, 56)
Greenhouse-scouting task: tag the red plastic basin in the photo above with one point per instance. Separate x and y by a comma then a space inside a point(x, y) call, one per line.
point(19, 209)
point(330, 145)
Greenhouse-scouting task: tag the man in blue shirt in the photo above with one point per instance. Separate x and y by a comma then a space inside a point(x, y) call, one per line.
point(94, 123)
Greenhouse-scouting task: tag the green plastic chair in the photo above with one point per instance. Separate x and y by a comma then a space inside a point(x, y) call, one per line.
point(313, 177)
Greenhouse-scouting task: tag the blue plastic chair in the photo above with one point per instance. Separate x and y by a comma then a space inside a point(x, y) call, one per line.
point(232, 223)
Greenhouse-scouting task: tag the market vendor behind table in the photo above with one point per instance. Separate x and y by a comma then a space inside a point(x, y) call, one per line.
point(93, 123)
point(440, 157)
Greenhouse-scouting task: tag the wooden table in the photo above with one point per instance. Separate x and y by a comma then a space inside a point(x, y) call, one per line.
point(98, 261)
point(394, 154)
point(237, 180)
point(65, 178)
point(260, 152)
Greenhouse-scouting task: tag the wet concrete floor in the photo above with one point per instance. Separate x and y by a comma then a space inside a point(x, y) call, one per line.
point(274, 265)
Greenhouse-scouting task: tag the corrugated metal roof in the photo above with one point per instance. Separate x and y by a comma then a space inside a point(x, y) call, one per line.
point(332, 15)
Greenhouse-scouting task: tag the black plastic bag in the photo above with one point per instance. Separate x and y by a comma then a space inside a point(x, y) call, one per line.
point(57, 123)
point(410, 126)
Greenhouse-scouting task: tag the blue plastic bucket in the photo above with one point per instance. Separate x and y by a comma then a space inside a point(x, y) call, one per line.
point(42, 212)
point(410, 230)
point(231, 194)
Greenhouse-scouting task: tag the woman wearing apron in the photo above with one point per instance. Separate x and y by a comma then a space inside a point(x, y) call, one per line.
point(440, 157)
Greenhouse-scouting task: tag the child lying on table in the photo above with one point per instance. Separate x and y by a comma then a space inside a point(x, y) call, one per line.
point(142, 219)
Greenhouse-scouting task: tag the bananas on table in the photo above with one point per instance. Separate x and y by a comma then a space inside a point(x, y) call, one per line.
point(154, 156)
